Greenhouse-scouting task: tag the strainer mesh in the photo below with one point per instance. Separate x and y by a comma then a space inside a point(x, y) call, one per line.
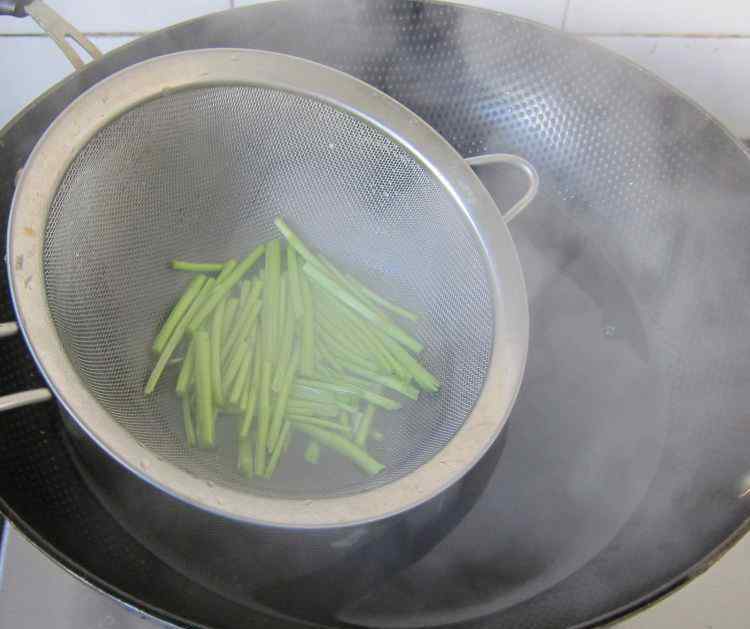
point(201, 174)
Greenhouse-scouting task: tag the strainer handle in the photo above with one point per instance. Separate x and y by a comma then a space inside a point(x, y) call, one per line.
point(24, 398)
point(518, 162)
point(58, 28)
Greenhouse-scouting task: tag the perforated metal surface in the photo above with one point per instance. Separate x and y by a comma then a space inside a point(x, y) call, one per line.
point(201, 175)
point(628, 440)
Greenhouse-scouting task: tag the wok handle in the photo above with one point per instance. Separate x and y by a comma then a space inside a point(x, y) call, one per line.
point(518, 162)
point(58, 28)
point(16, 8)
point(24, 398)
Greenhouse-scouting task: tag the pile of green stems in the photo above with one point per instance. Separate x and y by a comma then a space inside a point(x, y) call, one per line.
point(287, 344)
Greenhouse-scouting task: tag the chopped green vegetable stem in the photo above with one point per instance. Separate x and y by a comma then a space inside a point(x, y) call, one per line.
point(177, 336)
point(296, 242)
point(423, 377)
point(245, 457)
point(277, 450)
point(228, 267)
point(387, 381)
point(204, 399)
point(225, 286)
point(295, 288)
point(307, 366)
point(244, 320)
point(178, 312)
point(281, 402)
point(270, 298)
point(306, 407)
point(197, 267)
point(187, 420)
point(312, 452)
point(321, 423)
point(230, 313)
point(363, 290)
point(299, 345)
point(264, 418)
point(343, 446)
point(245, 286)
point(233, 367)
point(216, 343)
point(247, 419)
point(370, 396)
point(240, 382)
point(363, 429)
point(185, 378)
point(343, 295)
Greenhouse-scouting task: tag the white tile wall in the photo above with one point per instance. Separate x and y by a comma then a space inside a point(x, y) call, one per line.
point(549, 12)
point(119, 16)
point(714, 72)
point(44, 65)
point(659, 16)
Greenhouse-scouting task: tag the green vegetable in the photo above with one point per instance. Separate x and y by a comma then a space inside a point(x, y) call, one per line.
point(244, 319)
point(230, 312)
point(281, 441)
point(301, 392)
point(321, 423)
point(197, 267)
point(229, 266)
point(185, 378)
point(287, 340)
point(370, 396)
point(178, 312)
point(177, 336)
point(344, 296)
point(367, 293)
point(387, 381)
point(307, 349)
point(187, 421)
point(295, 242)
point(240, 382)
point(307, 364)
point(247, 419)
point(271, 289)
point(224, 286)
point(281, 402)
point(233, 366)
point(204, 399)
point(423, 377)
point(295, 288)
point(264, 418)
point(245, 458)
point(328, 338)
point(217, 332)
point(364, 426)
point(312, 452)
point(343, 446)
point(244, 294)
point(306, 407)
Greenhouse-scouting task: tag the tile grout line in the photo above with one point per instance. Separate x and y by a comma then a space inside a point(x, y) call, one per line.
point(90, 34)
point(663, 35)
point(565, 15)
point(579, 33)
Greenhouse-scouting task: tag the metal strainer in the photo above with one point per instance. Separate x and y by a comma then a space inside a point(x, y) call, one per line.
point(193, 155)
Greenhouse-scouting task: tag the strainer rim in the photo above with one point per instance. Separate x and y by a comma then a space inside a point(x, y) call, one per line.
point(137, 84)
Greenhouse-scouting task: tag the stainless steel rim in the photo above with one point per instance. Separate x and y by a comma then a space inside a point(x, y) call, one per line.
point(124, 90)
